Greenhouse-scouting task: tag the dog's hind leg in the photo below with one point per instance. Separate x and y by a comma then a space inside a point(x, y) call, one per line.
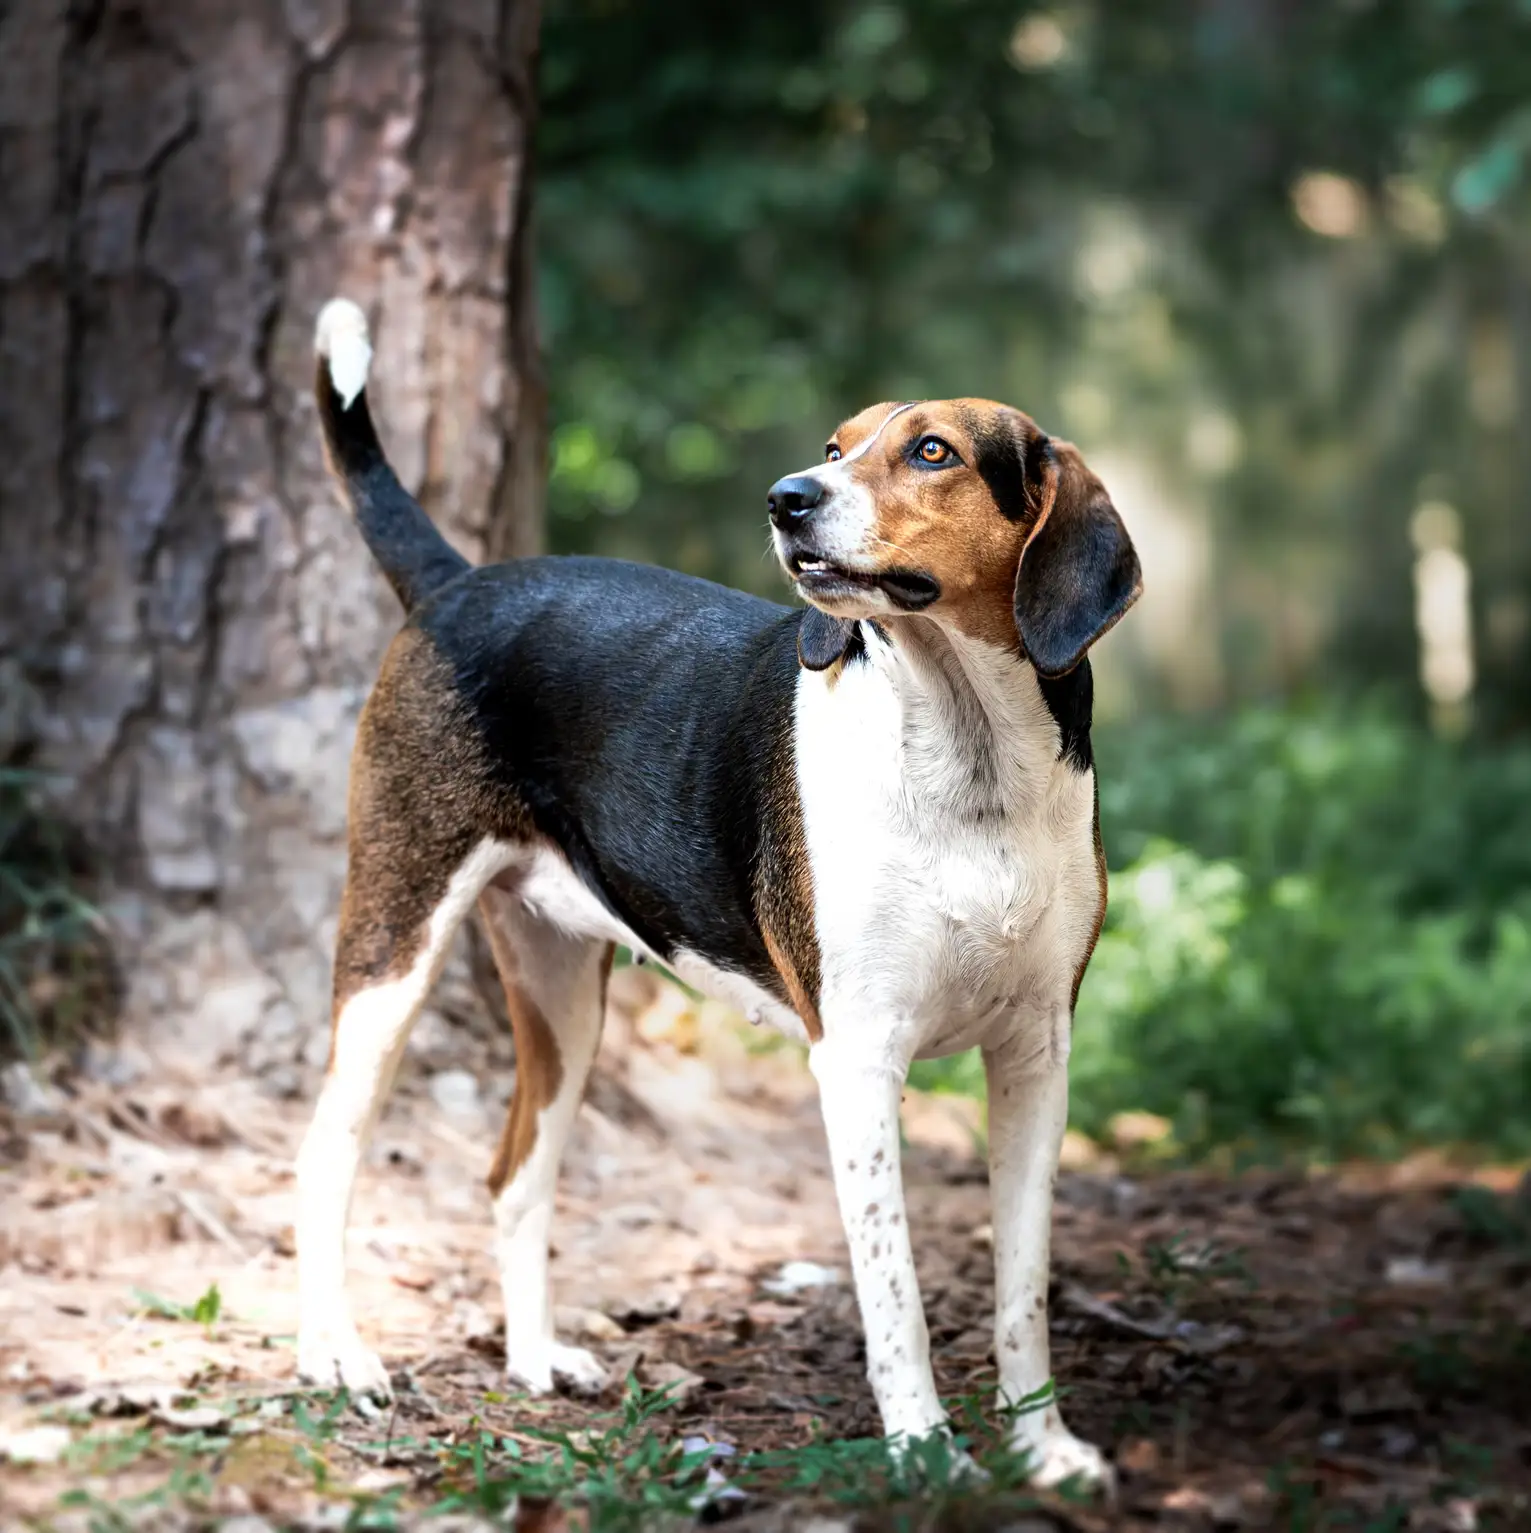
point(371, 1024)
point(555, 990)
point(420, 856)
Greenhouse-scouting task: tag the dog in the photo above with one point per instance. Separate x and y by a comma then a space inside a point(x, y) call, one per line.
point(871, 821)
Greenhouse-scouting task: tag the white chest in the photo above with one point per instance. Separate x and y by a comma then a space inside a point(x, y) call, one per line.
point(952, 851)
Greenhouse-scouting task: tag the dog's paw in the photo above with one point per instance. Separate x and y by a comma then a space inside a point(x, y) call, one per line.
point(1057, 1456)
point(331, 1362)
point(536, 1366)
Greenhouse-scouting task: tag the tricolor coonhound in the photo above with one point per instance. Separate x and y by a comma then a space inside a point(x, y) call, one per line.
point(871, 821)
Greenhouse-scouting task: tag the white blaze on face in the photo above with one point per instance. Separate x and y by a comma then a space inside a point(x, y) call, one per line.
point(866, 446)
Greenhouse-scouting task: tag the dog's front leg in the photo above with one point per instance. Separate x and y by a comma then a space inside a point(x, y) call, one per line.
point(859, 1091)
point(1028, 1111)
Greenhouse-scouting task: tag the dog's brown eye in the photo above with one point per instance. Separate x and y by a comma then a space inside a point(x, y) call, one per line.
point(831, 454)
point(934, 450)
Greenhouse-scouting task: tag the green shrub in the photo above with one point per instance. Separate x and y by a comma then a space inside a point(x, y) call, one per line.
point(58, 981)
point(1319, 937)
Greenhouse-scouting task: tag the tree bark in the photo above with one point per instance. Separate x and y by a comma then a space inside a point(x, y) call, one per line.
point(188, 621)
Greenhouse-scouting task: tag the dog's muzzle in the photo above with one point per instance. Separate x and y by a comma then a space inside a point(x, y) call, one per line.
point(796, 505)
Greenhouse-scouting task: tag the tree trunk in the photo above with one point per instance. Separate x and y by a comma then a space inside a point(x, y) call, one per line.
point(188, 621)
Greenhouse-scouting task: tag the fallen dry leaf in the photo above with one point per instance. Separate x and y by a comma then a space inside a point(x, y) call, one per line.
point(681, 1382)
point(1138, 1455)
point(1138, 1130)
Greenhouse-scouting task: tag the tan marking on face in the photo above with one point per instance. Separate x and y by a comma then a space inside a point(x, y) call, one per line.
point(943, 520)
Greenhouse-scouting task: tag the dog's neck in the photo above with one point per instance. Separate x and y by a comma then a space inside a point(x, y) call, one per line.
point(977, 733)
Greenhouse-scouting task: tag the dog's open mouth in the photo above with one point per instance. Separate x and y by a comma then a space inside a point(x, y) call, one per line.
point(820, 580)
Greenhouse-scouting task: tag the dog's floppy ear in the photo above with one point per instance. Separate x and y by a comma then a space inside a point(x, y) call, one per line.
point(822, 639)
point(1079, 571)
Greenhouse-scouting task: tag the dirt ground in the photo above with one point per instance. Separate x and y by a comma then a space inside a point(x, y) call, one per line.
point(1268, 1350)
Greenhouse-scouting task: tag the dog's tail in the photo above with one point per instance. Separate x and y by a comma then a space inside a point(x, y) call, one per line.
point(403, 539)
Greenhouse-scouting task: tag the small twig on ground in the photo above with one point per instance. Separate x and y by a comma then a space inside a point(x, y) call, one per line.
point(1086, 1303)
point(208, 1222)
point(1187, 1335)
point(469, 1148)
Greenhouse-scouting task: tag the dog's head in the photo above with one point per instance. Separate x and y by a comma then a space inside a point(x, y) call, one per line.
point(963, 509)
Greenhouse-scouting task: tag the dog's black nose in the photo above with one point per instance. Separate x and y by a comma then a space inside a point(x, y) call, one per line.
point(791, 500)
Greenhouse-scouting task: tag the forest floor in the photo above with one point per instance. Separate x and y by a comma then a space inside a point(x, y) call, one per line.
point(1277, 1349)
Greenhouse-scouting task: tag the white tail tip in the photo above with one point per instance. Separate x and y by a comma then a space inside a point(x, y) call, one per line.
point(340, 337)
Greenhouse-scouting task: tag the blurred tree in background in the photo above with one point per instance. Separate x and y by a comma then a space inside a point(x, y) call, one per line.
point(1265, 263)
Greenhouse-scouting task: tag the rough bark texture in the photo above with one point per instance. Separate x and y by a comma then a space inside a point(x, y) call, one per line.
point(188, 622)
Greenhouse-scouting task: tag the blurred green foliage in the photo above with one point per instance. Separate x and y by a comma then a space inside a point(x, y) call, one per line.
point(1322, 933)
point(1319, 938)
point(1278, 254)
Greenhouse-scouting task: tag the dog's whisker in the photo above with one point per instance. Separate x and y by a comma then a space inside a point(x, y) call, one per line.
point(897, 548)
